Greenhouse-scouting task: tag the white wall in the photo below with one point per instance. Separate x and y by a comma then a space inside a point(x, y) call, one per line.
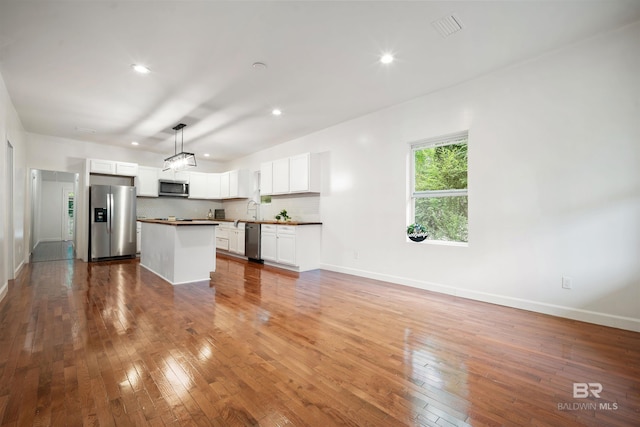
point(554, 185)
point(11, 129)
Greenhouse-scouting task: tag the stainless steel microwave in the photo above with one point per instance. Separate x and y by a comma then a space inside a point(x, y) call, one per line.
point(173, 188)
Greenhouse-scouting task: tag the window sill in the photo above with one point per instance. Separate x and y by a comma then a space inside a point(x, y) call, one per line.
point(440, 243)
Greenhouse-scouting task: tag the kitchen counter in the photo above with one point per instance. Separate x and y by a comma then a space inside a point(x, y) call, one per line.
point(253, 221)
point(178, 222)
point(179, 251)
point(284, 223)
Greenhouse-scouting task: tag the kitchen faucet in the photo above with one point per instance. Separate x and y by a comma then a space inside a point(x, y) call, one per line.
point(255, 208)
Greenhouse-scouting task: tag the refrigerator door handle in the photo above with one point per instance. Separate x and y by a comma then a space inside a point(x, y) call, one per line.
point(109, 209)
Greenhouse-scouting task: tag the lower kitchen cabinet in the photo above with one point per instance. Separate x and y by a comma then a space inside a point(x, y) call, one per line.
point(268, 243)
point(230, 238)
point(236, 239)
point(296, 247)
point(222, 239)
point(286, 247)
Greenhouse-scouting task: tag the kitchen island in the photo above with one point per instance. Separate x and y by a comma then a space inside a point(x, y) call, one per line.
point(179, 251)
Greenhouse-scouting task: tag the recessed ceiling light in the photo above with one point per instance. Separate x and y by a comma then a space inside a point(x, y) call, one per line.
point(259, 66)
point(206, 154)
point(134, 143)
point(387, 58)
point(276, 112)
point(140, 68)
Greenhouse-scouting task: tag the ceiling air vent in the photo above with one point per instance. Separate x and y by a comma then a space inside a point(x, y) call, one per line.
point(447, 25)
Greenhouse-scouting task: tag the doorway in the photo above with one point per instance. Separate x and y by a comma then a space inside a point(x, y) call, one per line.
point(53, 215)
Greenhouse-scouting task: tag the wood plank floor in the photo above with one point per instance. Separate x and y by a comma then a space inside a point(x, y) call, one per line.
point(53, 251)
point(109, 343)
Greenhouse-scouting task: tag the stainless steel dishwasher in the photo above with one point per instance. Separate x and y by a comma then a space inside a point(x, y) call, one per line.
point(252, 242)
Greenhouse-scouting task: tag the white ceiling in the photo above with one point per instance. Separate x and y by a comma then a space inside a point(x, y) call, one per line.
point(67, 64)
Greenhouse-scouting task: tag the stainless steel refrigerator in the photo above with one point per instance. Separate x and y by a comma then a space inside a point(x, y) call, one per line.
point(113, 221)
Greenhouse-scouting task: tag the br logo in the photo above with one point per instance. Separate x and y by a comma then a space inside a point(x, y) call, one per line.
point(583, 390)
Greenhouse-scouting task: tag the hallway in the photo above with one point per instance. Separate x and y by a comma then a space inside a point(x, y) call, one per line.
point(53, 251)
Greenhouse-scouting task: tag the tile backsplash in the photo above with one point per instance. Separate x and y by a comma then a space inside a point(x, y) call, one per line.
point(163, 207)
point(299, 207)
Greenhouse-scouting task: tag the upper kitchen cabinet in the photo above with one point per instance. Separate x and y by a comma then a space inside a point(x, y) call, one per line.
point(304, 173)
point(171, 175)
point(199, 186)
point(205, 185)
point(266, 178)
point(235, 184)
point(224, 185)
point(280, 176)
point(213, 185)
point(110, 167)
point(297, 174)
point(147, 181)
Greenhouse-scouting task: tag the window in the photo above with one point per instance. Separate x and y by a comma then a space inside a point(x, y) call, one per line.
point(439, 187)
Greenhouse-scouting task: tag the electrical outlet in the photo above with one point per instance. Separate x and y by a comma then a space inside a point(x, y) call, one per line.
point(567, 282)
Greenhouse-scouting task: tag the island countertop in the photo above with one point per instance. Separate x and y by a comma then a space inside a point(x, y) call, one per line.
point(201, 221)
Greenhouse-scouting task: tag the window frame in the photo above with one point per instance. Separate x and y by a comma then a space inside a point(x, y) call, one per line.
point(449, 139)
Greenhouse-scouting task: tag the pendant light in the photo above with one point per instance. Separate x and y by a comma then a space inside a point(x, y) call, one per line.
point(181, 160)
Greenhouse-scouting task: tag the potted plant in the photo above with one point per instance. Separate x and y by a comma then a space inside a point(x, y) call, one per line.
point(283, 215)
point(417, 232)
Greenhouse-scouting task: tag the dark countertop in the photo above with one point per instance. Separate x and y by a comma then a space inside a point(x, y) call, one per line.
point(178, 222)
point(274, 222)
point(204, 221)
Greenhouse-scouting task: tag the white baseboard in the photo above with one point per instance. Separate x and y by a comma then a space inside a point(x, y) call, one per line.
point(621, 322)
point(4, 290)
point(17, 270)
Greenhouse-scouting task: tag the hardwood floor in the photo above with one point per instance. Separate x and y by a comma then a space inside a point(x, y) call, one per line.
point(111, 344)
point(53, 251)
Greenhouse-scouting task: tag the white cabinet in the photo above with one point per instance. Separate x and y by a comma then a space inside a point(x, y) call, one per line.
point(222, 237)
point(230, 238)
point(224, 185)
point(207, 185)
point(293, 247)
point(266, 178)
point(110, 167)
point(147, 181)
point(171, 175)
point(236, 239)
point(199, 186)
point(286, 246)
point(297, 174)
point(126, 169)
point(235, 184)
point(268, 242)
point(213, 183)
point(304, 173)
point(106, 167)
point(281, 176)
